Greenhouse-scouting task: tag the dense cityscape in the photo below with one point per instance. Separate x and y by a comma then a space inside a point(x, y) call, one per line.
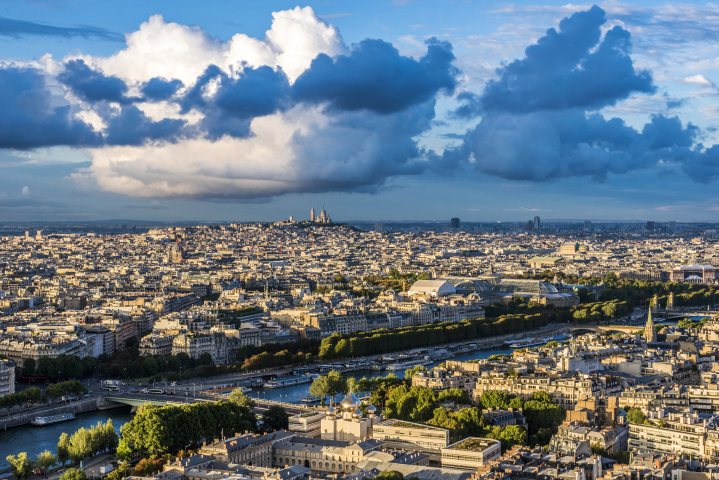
point(439, 351)
point(377, 240)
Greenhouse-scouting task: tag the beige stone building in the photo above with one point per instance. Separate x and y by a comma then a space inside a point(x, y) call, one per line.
point(248, 449)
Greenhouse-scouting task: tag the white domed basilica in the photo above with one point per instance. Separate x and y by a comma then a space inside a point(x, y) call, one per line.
point(349, 424)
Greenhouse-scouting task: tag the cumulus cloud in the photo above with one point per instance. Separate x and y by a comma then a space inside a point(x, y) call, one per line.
point(93, 86)
point(181, 114)
point(28, 118)
point(300, 150)
point(374, 76)
point(539, 117)
point(173, 51)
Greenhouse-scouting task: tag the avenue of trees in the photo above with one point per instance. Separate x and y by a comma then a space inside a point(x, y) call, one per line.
point(32, 394)
point(391, 340)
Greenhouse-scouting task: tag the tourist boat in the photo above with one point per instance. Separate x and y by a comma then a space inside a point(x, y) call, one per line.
point(441, 354)
point(405, 365)
point(258, 382)
point(246, 389)
point(288, 381)
point(529, 342)
point(42, 421)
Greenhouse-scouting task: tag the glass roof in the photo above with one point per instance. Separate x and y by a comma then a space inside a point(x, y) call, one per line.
point(499, 284)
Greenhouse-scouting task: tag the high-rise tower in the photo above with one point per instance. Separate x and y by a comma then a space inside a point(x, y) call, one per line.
point(312, 214)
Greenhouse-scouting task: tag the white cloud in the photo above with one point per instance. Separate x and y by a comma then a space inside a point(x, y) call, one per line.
point(174, 51)
point(700, 80)
point(302, 149)
point(25, 190)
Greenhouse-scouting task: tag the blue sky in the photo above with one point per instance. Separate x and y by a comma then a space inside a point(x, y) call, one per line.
point(376, 110)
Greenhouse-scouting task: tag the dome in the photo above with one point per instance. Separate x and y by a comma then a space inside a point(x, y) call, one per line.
point(350, 402)
point(357, 413)
point(371, 409)
point(330, 411)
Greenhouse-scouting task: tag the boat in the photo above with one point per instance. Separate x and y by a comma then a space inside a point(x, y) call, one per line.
point(246, 389)
point(311, 399)
point(405, 365)
point(258, 382)
point(441, 354)
point(529, 342)
point(42, 421)
point(560, 338)
point(288, 381)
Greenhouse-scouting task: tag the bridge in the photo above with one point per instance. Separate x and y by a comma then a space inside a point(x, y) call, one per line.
point(138, 399)
point(628, 329)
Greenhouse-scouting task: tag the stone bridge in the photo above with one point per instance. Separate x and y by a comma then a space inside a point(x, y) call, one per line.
point(628, 329)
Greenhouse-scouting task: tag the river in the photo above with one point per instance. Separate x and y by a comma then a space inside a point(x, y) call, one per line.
point(34, 440)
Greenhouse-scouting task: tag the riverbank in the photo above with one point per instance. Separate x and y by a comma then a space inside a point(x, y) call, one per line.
point(33, 440)
point(20, 416)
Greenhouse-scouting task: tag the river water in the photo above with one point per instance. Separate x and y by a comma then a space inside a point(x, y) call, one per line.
point(34, 440)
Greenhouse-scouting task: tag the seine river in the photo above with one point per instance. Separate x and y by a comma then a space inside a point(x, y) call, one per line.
point(34, 440)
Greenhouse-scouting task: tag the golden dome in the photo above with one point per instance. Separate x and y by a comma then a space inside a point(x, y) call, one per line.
point(350, 402)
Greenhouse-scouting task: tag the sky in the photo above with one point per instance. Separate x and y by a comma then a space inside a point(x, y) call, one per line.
point(374, 110)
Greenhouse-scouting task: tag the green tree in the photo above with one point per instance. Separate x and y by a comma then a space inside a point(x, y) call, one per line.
point(20, 465)
point(636, 416)
point(124, 451)
point(149, 365)
point(28, 367)
point(63, 449)
point(495, 399)
point(457, 395)
point(542, 412)
point(415, 404)
point(205, 359)
point(510, 436)
point(342, 349)
point(410, 372)
point(238, 397)
point(45, 461)
point(74, 474)
point(158, 430)
point(328, 385)
point(80, 445)
point(275, 418)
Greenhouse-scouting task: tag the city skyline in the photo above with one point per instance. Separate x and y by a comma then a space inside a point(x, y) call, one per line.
point(140, 113)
